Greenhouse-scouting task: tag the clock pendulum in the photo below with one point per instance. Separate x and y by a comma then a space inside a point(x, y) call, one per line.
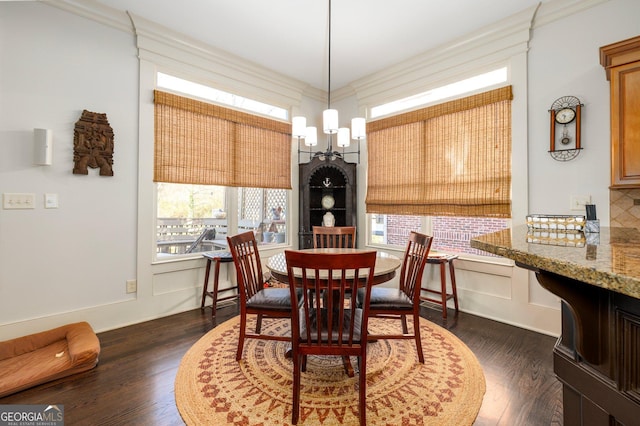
point(565, 136)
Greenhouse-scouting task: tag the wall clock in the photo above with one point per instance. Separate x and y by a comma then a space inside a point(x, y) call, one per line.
point(565, 123)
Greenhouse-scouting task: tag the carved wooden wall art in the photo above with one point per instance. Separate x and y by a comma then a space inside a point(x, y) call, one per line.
point(93, 144)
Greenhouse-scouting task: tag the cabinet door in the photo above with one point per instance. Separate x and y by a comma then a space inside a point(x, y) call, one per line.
point(625, 126)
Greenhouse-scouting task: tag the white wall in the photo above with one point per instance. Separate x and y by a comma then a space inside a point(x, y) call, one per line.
point(564, 59)
point(71, 263)
point(78, 257)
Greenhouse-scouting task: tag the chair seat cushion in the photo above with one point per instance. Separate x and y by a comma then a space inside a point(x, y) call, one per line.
point(386, 298)
point(324, 332)
point(278, 299)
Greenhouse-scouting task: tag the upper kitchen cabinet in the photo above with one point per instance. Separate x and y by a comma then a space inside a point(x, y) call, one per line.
point(622, 64)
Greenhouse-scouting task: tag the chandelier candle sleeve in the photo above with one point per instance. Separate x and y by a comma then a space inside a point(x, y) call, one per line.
point(330, 121)
point(358, 128)
point(311, 137)
point(343, 137)
point(299, 127)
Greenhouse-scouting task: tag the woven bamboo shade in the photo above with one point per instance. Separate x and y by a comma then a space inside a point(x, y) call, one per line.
point(201, 143)
point(452, 159)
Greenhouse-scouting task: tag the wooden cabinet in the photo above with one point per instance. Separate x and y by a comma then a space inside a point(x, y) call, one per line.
point(597, 357)
point(622, 64)
point(321, 177)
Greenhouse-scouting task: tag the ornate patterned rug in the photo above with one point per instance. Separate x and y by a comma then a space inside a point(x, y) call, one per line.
point(212, 388)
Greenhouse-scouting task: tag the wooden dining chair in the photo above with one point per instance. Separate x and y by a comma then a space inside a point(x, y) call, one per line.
point(398, 303)
point(333, 325)
point(334, 237)
point(255, 299)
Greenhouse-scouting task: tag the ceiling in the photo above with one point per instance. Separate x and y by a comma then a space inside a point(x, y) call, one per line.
point(291, 36)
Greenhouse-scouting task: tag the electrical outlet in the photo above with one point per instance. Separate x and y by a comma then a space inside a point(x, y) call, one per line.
point(18, 201)
point(50, 201)
point(579, 201)
point(132, 286)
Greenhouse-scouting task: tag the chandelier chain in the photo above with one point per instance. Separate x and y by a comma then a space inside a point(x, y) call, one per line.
point(329, 61)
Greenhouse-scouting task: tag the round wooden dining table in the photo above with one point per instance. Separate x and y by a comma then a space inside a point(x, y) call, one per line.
point(386, 264)
point(385, 270)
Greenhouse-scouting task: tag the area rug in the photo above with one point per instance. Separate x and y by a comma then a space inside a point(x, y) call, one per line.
point(213, 388)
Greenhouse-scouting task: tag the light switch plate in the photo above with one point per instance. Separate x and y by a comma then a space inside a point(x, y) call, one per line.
point(18, 201)
point(50, 201)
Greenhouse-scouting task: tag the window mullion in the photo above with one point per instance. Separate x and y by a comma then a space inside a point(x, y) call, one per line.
point(232, 200)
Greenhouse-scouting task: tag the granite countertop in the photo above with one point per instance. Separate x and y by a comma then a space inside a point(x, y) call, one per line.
point(609, 259)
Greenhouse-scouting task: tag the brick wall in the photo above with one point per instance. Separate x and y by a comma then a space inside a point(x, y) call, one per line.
point(452, 234)
point(399, 227)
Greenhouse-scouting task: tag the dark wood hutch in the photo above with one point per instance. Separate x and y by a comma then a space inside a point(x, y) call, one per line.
point(320, 177)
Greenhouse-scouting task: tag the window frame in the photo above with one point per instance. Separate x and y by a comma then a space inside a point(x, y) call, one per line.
point(232, 194)
point(427, 221)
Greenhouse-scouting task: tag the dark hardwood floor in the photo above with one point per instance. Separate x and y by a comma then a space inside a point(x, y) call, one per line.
point(133, 383)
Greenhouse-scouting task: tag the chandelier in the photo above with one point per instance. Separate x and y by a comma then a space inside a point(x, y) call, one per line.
point(330, 126)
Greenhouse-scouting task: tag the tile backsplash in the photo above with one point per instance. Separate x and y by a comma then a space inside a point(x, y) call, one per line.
point(623, 209)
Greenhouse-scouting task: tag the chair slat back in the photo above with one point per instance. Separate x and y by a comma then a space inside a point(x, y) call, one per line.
point(334, 237)
point(329, 322)
point(246, 258)
point(413, 264)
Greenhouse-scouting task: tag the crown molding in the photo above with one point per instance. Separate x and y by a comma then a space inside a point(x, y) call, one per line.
point(95, 11)
point(490, 45)
point(486, 46)
point(167, 47)
point(554, 10)
point(244, 77)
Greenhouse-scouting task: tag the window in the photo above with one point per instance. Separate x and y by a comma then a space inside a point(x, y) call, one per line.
point(218, 96)
point(462, 87)
point(451, 234)
point(190, 218)
point(393, 229)
point(193, 216)
point(264, 211)
point(418, 205)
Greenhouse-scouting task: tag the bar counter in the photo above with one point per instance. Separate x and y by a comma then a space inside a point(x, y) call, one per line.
point(612, 263)
point(597, 277)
